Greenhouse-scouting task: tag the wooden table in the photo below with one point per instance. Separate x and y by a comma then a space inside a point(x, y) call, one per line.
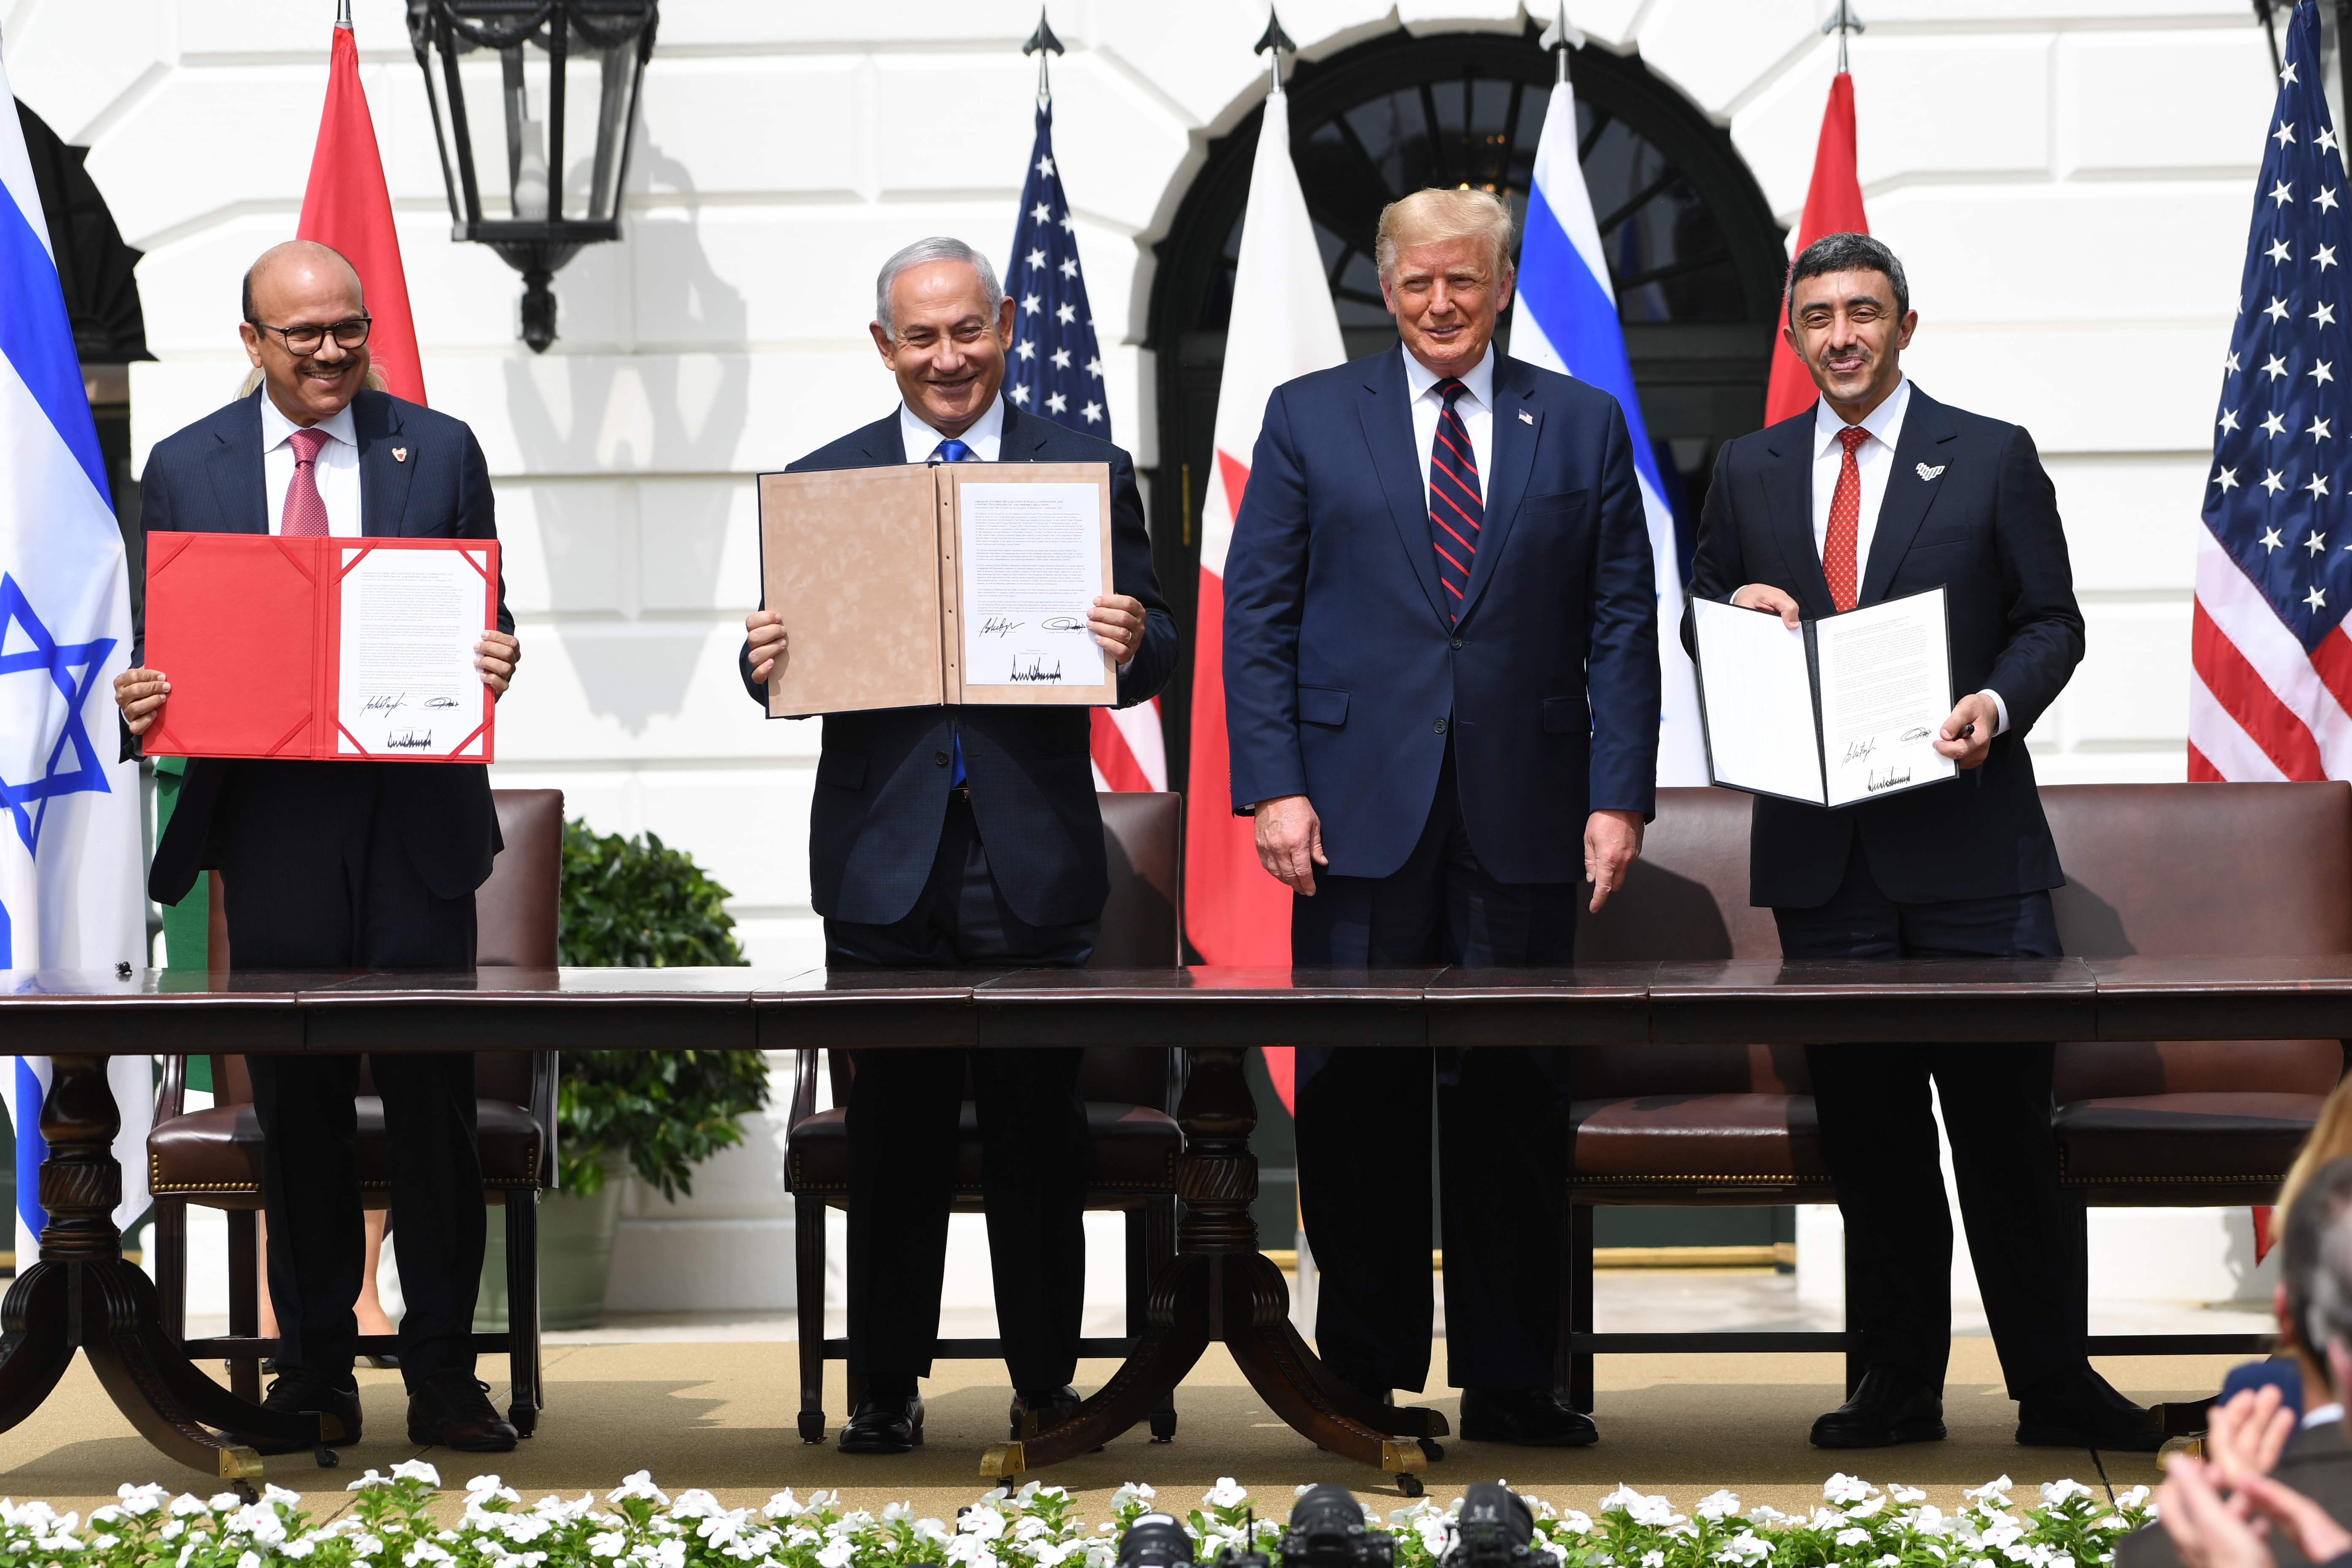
point(83, 1293)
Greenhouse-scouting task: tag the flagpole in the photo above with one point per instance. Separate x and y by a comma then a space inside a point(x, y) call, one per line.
point(1042, 43)
point(1271, 42)
point(1844, 23)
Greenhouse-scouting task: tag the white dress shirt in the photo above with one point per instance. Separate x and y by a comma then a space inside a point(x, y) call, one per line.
point(2320, 1415)
point(986, 437)
point(1476, 406)
point(1874, 459)
point(337, 470)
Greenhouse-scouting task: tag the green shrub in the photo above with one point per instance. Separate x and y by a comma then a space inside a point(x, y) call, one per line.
point(637, 904)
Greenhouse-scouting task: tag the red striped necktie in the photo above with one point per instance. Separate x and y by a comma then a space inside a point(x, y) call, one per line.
point(305, 514)
point(1455, 511)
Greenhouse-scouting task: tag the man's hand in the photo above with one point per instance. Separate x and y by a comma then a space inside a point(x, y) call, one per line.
point(767, 632)
point(2208, 1531)
point(1613, 842)
point(1290, 842)
point(2311, 1527)
point(1968, 750)
point(2245, 1437)
point(495, 657)
point(1764, 596)
point(1117, 622)
point(140, 694)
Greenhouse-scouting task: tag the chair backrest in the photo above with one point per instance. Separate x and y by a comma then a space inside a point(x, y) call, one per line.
point(514, 925)
point(1142, 928)
point(2181, 870)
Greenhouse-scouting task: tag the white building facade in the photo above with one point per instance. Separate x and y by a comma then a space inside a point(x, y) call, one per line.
point(2067, 181)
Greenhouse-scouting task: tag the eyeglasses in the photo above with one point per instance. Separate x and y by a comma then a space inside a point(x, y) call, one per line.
point(306, 339)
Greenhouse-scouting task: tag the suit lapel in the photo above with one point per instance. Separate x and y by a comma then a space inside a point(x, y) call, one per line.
point(384, 475)
point(235, 469)
point(1789, 497)
point(1512, 455)
point(1024, 439)
point(1926, 426)
point(1388, 432)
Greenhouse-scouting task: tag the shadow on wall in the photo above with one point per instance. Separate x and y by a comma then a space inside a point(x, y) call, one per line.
point(659, 413)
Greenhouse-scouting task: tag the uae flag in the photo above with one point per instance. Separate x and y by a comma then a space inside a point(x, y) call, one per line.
point(1833, 206)
point(1283, 327)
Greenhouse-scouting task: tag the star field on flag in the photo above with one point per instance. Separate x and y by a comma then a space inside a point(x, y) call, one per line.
point(1055, 368)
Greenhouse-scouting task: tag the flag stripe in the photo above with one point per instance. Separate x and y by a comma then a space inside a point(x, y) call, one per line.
point(39, 342)
point(2245, 619)
point(2225, 744)
point(2242, 693)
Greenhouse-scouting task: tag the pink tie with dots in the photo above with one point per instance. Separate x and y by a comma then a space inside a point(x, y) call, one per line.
point(305, 516)
point(1846, 523)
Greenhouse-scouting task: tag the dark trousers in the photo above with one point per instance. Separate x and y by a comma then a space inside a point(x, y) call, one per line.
point(313, 877)
point(1878, 1134)
point(904, 1113)
point(1363, 1128)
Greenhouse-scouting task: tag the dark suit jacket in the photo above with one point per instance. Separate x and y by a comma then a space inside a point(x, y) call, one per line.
point(1342, 677)
point(2317, 1463)
point(882, 775)
point(1987, 529)
point(207, 478)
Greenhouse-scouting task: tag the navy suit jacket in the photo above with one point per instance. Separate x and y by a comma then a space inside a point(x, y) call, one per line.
point(1342, 677)
point(1986, 528)
point(882, 775)
point(207, 478)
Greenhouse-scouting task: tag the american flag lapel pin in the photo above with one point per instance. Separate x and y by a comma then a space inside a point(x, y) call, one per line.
point(400, 454)
point(1526, 418)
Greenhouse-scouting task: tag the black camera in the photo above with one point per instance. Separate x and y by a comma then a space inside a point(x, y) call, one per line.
point(1496, 1529)
point(1326, 1531)
point(1155, 1541)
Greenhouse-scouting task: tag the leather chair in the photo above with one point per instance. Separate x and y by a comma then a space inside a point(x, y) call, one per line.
point(1130, 1093)
point(2158, 869)
point(213, 1157)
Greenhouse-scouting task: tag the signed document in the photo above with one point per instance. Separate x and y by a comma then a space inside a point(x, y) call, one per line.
point(916, 584)
point(1032, 559)
point(322, 649)
point(1842, 710)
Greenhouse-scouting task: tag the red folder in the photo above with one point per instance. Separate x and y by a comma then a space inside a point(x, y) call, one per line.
point(249, 629)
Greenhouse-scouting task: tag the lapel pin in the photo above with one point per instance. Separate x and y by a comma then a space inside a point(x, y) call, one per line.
point(1526, 418)
point(399, 455)
point(1927, 473)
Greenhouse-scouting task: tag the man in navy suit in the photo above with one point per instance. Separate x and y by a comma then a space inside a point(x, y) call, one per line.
point(1442, 698)
point(965, 835)
point(342, 864)
point(1875, 492)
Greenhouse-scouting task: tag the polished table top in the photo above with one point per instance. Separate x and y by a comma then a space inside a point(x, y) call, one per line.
point(1726, 1002)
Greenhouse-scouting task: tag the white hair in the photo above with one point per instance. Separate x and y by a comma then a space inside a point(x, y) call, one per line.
point(938, 247)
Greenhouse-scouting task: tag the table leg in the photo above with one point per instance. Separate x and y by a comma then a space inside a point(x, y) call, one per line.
point(1219, 1286)
point(84, 1292)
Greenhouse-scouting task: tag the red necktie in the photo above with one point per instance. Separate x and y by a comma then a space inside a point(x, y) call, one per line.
point(305, 516)
point(1456, 511)
point(1845, 524)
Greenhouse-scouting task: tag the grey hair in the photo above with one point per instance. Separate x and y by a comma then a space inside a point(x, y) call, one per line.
point(938, 247)
point(2317, 1268)
point(1847, 252)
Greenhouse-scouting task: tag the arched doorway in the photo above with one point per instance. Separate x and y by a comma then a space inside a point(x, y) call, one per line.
point(1695, 252)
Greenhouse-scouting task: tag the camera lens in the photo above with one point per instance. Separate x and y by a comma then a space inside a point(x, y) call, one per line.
point(1493, 1530)
point(1326, 1531)
point(1154, 1540)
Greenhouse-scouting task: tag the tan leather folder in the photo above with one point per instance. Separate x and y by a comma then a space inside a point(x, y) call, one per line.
point(868, 569)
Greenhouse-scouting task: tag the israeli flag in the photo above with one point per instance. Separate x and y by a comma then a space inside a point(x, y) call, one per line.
point(1567, 321)
point(71, 839)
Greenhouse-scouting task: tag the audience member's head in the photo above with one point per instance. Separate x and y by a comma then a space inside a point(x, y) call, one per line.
point(2331, 1139)
point(306, 328)
point(2314, 1292)
point(943, 324)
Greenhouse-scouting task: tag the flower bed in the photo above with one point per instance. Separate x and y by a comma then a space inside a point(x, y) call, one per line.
point(636, 1525)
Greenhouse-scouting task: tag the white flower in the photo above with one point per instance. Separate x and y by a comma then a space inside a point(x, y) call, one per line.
point(2131, 1498)
point(1854, 1536)
point(606, 1544)
point(1908, 1494)
point(146, 1499)
point(1843, 1488)
point(783, 1505)
point(2056, 1492)
point(1765, 1513)
point(1576, 1522)
point(1863, 1510)
point(641, 1485)
point(836, 1555)
point(1134, 1491)
point(297, 1550)
point(1226, 1493)
point(373, 1479)
point(1654, 1560)
point(366, 1545)
point(1640, 1509)
point(1888, 1560)
point(1744, 1548)
point(184, 1504)
point(930, 1529)
point(1993, 1492)
point(893, 1512)
point(1434, 1531)
point(1718, 1505)
point(416, 1470)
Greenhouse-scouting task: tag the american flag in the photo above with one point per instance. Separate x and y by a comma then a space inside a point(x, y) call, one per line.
point(2271, 692)
point(1057, 372)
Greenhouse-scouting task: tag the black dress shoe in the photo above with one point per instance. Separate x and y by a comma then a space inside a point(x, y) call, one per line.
point(884, 1426)
point(1039, 1411)
point(1887, 1409)
point(2082, 1410)
point(452, 1409)
point(295, 1390)
point(1531, 1417)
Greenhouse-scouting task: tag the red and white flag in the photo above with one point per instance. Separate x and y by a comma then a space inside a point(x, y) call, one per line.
point(1282, 327)
point(347, 207)
point(1128, 753)
point(1833, 206)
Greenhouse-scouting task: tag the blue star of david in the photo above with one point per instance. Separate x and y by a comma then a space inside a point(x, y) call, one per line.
point(73, 668)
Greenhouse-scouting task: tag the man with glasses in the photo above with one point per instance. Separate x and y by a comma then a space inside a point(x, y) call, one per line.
point(342, 864)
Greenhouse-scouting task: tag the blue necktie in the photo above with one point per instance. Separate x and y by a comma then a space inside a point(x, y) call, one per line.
point(1455, 508)
point(953, 451)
